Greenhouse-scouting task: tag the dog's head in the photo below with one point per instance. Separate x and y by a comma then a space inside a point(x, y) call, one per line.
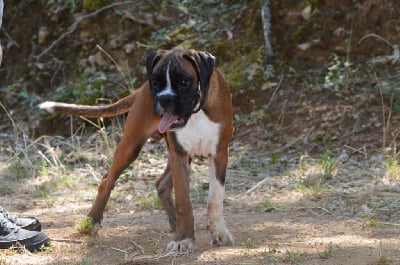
point(179, 82)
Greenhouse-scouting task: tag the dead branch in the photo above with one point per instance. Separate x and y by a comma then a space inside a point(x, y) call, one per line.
point(266, 20)
point(275, 93)
point(394, 58)
point(74, 25)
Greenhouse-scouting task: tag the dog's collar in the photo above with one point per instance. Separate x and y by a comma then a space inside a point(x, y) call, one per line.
point(203, 97)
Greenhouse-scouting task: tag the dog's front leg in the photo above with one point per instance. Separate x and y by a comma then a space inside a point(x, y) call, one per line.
point(216, 226)
point(183, 242)
point(124, 155)
point(140, 124)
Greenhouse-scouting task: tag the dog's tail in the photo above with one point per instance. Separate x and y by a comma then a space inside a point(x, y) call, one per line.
point(121, 106)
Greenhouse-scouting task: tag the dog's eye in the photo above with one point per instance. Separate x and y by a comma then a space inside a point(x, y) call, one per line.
point(154, 83)
point(183, 83)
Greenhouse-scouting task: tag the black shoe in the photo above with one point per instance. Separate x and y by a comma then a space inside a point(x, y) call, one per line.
point(28, 223)
point(12, 234)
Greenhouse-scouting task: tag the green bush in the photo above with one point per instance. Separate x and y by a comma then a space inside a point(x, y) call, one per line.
point(91, 5)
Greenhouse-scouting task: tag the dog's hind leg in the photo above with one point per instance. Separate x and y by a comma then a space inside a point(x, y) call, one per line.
point(164, 188)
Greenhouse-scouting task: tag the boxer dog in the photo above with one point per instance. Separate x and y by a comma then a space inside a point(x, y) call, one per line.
point(188, 101)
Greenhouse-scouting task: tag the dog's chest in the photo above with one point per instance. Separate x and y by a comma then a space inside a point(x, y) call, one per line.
point(200, 136)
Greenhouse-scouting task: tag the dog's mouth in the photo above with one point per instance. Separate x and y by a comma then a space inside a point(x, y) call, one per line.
point(170, 122)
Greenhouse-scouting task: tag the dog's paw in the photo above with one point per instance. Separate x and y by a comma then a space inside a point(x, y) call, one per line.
point(220, 236)
point(181, 247)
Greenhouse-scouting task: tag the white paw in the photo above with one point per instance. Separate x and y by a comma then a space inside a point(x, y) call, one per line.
point(220, 236)
point(181, 247)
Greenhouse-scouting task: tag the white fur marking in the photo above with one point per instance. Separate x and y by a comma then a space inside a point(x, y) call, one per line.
point(181, 247)
point(216, 226)
point(198, 103)
point(200, 136)
point(48, 106)
point(216, 193)
point(168, 87)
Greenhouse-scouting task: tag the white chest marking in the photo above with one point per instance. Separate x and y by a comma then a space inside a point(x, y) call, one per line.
point(200, 136)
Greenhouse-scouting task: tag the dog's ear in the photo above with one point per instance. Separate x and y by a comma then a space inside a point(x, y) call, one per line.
point(152, 60)
point(204, 63)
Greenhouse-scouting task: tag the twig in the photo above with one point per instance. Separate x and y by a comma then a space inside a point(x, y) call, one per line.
point(387, 223)
point(361, 150)
point(44, 157)
point(138, 246)
point(128, 15)
point(383, 59)
point(257, 185)
point(11, 120)
point(92, 172)
point(376, 36)
point(274, 94)
point(10, 38)
point(323, 209)
point(74, 25)
point(109, 57)
point(243, 133)
point(120, 250)
point(90, 122)
point(385, 122)
point(294, 141)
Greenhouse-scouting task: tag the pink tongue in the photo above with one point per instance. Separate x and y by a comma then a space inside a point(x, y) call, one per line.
point(166, 121)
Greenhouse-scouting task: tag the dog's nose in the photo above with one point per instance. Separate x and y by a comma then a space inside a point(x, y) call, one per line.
point(165, 101)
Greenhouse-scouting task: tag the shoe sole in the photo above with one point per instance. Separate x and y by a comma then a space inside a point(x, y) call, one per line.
point(37, 245)
point(31, 247)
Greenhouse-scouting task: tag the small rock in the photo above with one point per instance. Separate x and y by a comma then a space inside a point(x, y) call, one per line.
point(99, 59)
point(129, 47)
point(42, 35)
point(306, 13)
point(339, 32)
point(40, 66)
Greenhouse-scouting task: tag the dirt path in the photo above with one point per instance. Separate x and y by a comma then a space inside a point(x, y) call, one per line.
point(279, 213)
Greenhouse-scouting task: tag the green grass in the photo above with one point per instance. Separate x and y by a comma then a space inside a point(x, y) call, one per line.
point(267, 205)
point(248, 246)
point(392, 168)
point(85, 261)
point(19, 169)
point(154, 247)
point(271, 254)
point(295, 258)
point(327, 253)
point(250, 243)
point(148, 201)
point(383, 258)
point(198, 195)
point(369, 221)
point(84, 225)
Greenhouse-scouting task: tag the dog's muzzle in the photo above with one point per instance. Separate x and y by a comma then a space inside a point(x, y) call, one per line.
point(165, 107)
